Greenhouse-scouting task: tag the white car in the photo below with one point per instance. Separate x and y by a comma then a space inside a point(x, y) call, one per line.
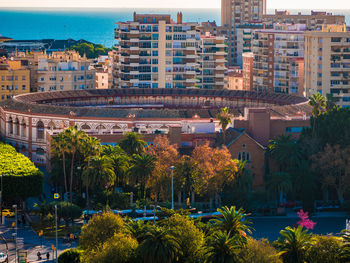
point(3, 257)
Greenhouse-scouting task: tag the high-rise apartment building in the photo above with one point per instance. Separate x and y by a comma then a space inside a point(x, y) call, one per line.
point(14, 79)
point(327, 63)
point(212, 58)
point(313, 21)
point(247, 70)
point(156, 52)
point(65, 71)
point(278, 59)
point(235, 13)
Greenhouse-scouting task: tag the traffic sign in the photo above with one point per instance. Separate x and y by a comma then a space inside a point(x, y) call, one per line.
point(56, 196)
point(53, 247)
point(41, 233)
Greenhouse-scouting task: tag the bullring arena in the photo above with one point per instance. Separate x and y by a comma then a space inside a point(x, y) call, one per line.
point(186, 116)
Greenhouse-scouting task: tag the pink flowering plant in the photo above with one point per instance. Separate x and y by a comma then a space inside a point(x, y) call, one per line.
point(305, 221)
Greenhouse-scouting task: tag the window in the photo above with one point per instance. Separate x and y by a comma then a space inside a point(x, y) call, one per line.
point(23, 77)
point(244, 156)
point(155, 45)
point(40, 130)
point(23, 87)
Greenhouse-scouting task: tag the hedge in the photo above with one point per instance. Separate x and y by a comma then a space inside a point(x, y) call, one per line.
point(21, 178)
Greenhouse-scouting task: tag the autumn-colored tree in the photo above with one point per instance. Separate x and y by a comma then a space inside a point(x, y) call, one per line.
point(334, 165)
point(215, 169)
point(167, 156)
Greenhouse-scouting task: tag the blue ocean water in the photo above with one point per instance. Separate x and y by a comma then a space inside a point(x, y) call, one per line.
point(95, 25)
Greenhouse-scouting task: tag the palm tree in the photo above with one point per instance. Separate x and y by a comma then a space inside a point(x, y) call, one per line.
point(225, 118)
point(280, 183)
point(121, 163)
point(318, 102)
point(91, 148)
point(59, 149)
point(132, 143)
point(233, 221)
point(75, 139)
point(137, 229)
point(293, 244)
point(101, 172)
point(285, 151)
point(158, 246)
point(143, 166)
point(345, 251)
point(223, 248)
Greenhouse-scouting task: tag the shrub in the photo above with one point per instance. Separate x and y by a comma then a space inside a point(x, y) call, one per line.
point(70, 256)
point(99, 230)
point(259, 251)
point(118, 249)
point(325, 249)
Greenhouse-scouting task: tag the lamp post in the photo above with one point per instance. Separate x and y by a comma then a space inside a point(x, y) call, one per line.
point(16, 228)
point(172, 186)
point(56, 232)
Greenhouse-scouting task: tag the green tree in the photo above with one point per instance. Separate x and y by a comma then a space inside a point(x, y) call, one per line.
point(67, 211)
point(293, 244)
point(159, 246)
point(132, 143)
point(137, 229)
point(223, 247)
point(318, 103)
point(233, 221)
point(188, 235)
point(71, 255)
point(143, 166)
point(225, 118)
point(118, 249)
point(99, 229)
point(101, 172)
point(91, 148)
point(279, 183)
point(60, 149)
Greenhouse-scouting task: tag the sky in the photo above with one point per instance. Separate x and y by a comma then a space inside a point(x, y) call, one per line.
point(272, 4)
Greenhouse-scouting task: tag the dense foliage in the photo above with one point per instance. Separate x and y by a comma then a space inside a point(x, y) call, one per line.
point(21, 179)
point(90, 50)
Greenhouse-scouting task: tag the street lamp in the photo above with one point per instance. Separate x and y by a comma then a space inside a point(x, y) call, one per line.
point(172, 186)
point(15, 207)
point(56, 232)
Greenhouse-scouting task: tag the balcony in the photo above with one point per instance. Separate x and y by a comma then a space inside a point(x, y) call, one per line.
point(134, 48)
point(134, 56)
point(220, 45)
point(134, 40)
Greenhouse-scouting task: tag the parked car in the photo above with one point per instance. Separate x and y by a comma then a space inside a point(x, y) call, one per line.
point(7, 213)
point(3, 257)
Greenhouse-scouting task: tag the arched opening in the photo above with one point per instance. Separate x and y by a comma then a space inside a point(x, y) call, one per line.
point(10, 126)
point(51, 126)
point(101, 127)
point(85, 127)
point(17, 127)
point(40, 128)
point(23, 129)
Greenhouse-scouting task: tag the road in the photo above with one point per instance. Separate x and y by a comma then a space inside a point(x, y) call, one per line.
point(32, 243)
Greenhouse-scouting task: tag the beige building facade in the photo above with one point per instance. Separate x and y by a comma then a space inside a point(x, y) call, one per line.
point(14, 79)
point(327, 63)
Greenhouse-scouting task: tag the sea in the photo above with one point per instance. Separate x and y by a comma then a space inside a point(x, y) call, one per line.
point(92, 24)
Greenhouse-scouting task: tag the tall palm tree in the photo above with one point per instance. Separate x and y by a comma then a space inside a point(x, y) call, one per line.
point(319, 104)
point(233, 221)
point(285, 151)
point(223, 248)
point(225, 118)
point(158, 246)
point(293, 244)
point(280, 183)
point(121, 163)
point(75, 138)
point(143, 166)
point(91, 148)
point(59, 149)
point(101, 172)
point(132, 143)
